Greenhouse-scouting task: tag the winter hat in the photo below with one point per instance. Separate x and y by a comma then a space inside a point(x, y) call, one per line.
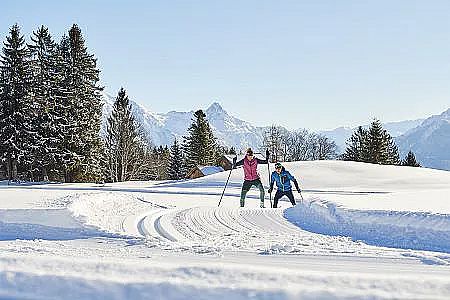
point(278, 165)
point(249, 151)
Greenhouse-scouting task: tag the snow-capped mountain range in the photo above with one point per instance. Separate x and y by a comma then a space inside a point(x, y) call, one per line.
point(429, 139)
point(162, 128)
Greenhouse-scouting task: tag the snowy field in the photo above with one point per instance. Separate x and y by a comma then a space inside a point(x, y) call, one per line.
point(362, 232)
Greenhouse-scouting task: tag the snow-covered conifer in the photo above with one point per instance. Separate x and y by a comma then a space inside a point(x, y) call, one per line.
point(84, 111)
point(393, 157)
point(176, 168)
point(199, 146)
point(124, 148)
point(49, 122)
point(17, 135)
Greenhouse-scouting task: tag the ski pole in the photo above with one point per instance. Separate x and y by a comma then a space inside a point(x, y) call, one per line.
point(303, 201)
point(268, 170)
point(226, 183)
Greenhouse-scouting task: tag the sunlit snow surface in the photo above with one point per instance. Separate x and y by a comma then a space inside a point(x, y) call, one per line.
point(362, 231)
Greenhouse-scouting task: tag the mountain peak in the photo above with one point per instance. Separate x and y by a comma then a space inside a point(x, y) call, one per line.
point(215, 108)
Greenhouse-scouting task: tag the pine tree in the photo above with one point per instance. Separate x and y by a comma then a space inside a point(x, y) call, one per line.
point(85, 111)
point(45, 89)
point(176, 169)
point(123, 145)
point(377, 144)
point(65, 96)
point(393, 157)
point(357, 146)
point(410, 160)
point(3, 118)
point(17, 135)
point(199, 146)
point(215, 149)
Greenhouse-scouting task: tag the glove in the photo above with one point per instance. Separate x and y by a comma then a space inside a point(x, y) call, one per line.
point(299, 191)
point(270, 191)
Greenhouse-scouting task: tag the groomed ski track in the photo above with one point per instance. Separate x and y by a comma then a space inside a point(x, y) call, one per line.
point(201, 223)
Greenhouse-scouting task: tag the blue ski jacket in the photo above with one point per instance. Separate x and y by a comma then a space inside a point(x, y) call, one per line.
point(283, 181)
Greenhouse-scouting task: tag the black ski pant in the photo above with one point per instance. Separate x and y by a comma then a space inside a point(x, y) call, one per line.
point(280, 194)
point(246, 187)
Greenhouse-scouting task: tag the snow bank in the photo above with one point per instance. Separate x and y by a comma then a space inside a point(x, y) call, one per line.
point(48, 224)
point(399, 229)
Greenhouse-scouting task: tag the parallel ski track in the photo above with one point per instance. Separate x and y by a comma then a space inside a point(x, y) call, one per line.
point(209, 223)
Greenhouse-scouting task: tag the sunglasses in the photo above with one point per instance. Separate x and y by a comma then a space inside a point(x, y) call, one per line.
point(249, 154)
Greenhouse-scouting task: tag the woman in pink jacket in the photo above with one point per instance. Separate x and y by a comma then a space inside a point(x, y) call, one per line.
point(251, 176)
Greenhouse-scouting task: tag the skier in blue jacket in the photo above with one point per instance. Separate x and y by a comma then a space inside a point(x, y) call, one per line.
point(283, 180)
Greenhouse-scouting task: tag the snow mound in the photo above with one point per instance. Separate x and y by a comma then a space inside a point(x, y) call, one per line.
point(45, 224)
point(399, 229)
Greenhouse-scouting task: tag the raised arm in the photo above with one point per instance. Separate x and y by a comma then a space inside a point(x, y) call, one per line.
point(238, 163)
point(261, 161)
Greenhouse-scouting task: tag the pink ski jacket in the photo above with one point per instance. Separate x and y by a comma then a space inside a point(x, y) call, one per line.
point(251, 167)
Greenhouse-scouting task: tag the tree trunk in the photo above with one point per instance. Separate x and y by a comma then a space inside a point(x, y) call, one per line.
point(44, 174)
point(14, 169)
point(9, 169)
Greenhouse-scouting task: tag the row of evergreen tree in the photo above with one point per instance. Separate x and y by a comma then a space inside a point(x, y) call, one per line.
point(375, 145)
point(50, 107)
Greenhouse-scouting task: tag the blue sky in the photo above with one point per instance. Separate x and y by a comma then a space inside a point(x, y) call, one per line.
point(314, 64)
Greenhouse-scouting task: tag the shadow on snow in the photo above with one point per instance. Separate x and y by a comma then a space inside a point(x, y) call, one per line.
point(45, 224)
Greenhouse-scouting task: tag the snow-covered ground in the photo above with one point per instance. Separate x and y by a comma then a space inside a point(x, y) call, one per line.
point(362, 231)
